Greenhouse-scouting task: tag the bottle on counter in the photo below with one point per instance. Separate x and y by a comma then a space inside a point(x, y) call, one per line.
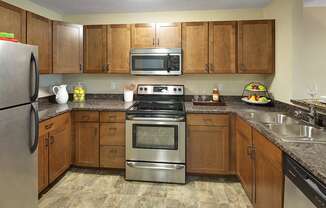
point(216, 95)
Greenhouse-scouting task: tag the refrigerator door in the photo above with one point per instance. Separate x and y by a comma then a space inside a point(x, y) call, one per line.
point(18, 75)
point(18, 157)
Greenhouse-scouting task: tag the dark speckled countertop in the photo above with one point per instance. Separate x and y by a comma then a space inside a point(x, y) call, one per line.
point(310, 156)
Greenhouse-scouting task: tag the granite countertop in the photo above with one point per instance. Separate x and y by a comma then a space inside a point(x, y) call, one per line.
point(311, 156)
point(48, 110)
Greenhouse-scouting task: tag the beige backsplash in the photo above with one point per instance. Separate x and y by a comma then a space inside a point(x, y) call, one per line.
point(194, 84)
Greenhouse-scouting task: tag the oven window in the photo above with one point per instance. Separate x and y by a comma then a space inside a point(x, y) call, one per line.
point(149, 63)
point(155, 136)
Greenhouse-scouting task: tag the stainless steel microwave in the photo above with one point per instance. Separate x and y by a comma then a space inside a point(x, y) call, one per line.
point(156, 61)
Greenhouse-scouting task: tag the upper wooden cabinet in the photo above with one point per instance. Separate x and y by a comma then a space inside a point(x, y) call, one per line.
point(222, 47)
point(95, 47)
point(159, 35)
point(13, 20)
point(168, 35)
point(256, 50)
point(39, 32)
point(143, 36)
point(208, 144)
point(67, 48)
point(118, 50)
point(195, 47)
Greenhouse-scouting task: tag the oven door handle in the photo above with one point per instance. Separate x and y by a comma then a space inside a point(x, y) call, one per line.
point(165, 167)
point(136, 118)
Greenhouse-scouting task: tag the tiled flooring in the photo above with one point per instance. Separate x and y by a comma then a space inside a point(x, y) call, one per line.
point(101, 189)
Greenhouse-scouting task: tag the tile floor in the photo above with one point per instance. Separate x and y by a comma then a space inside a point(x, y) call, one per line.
point(103, 189)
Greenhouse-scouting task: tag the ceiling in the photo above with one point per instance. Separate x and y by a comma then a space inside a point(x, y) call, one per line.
point(124, 6)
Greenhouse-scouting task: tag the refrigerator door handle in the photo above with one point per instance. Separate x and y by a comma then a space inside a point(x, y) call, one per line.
point(37, 78)
point(34, 145)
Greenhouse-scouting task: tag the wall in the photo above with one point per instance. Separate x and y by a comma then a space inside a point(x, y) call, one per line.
point(313, 63)
point(194, 84)
point(288, 15)
point(35, 8)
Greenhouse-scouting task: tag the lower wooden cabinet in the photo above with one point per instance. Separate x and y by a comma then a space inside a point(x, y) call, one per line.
point(245, 166)
point(87, 144)
point(207, 144)
point(112, 157)
point(268, 173)
point(54, 150)
point(43, 162)
point(259, 167)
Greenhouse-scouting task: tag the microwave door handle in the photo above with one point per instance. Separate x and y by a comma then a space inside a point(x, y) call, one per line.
point(168, 69)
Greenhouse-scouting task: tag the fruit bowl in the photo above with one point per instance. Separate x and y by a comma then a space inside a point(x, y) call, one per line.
point(256, 93)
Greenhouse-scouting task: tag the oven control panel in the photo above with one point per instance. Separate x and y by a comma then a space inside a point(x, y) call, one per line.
point(160, 90)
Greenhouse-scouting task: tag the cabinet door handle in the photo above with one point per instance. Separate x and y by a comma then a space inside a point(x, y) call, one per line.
point(207, 68)
point(153, 41)
point(249, 150)
point(51, 140)
point(158, 41)
point(211, 67)
point(107, 67)
point(103, 67)
point(47, 142)
point(81, 67)
point(49, 126)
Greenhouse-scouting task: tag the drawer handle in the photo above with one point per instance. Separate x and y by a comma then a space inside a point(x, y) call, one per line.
point(85, 117)
point(113, 151)
point(49, 126)
point(112, 130)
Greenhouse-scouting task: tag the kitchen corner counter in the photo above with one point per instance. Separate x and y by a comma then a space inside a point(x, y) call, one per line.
point(49, 110)
point(310, 156)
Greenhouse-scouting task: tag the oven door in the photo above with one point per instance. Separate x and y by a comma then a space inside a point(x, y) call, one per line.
point(156, 64)
point(155, 140)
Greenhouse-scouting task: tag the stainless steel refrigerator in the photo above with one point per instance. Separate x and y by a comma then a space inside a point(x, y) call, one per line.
point(19, 83)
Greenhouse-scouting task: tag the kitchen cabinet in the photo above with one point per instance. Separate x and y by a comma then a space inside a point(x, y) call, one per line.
point(268, 173)
point(112, 140)
point(195, 47)
point(43, 162)
point(259, 167)
point(60, 150)
point(118, 50)
point(39, 33)
point(87, 132)
point(159, 35)
point(222, 47)
point(207, 144)
point(256, 47)
point(244, 155)
point(13, 20)
point(95, 48)
point(67, 48)
point(54, 150)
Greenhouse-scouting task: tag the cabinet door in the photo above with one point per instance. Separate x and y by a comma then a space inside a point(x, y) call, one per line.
point(268, 175)
point(143, 35)
point(112, 157)
point(256, 47)
point(95, 46)
point(67, 48)
point(39, 32)
point(87, 144)
point(60, 150)
point(43, 162)
point(168, 35)
point(208, 149)
point(245, 164)
point(112, 134)
point(195, 47)
point(13, 20)
point(119, 43)
point(222, 47)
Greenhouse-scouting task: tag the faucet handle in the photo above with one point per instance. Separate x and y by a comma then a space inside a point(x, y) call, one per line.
point(298, 113)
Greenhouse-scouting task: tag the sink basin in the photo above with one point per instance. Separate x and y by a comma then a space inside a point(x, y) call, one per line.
point(299, 133)
point(274, 118)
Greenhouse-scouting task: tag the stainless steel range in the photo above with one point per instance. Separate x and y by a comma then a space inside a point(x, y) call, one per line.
point(156, 135)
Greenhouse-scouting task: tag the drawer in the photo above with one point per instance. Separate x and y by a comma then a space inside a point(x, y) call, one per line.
point(112, 134)
point(86, 116)
point(208, 120)
point(54, 123)
point(113, 117)
point(267, 148)
point(112, 157)
point(243, 128)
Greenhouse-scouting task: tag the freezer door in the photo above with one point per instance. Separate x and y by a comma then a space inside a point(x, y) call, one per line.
point(18, 157)
point(18, 74)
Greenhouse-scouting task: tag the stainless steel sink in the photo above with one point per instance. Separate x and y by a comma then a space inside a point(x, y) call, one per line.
point(274, 118)
point(299, 133)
